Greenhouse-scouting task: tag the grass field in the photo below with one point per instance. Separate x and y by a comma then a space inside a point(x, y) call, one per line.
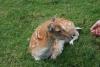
point(19, 18)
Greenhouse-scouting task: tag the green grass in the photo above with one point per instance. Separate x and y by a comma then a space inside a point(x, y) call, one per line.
point(19, 18)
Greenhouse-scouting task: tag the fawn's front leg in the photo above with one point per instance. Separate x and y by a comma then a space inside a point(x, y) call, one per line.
point(57, 48)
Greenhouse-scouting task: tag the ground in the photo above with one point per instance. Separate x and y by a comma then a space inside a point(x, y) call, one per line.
point(19, 18)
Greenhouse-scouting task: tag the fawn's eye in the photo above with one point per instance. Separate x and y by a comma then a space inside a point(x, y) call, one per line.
point(59, 31)
point(62, 30)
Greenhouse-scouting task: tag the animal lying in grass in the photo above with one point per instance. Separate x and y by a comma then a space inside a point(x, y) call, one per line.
point(49, 38)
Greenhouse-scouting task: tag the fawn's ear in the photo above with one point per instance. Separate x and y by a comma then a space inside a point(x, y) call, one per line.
point(78, 28)
point(40, 34)
point(51, 26)
point(53, 19)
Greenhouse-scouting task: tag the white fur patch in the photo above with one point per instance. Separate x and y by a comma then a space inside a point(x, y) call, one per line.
point(78, 28)
point(58, 51)
point(41, 53)
point(74, 37)
point(61, 43)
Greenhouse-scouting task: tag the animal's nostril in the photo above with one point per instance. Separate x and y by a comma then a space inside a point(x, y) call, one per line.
point(73, 34)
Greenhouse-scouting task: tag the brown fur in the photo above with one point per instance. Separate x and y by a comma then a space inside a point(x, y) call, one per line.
point(48, 34)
